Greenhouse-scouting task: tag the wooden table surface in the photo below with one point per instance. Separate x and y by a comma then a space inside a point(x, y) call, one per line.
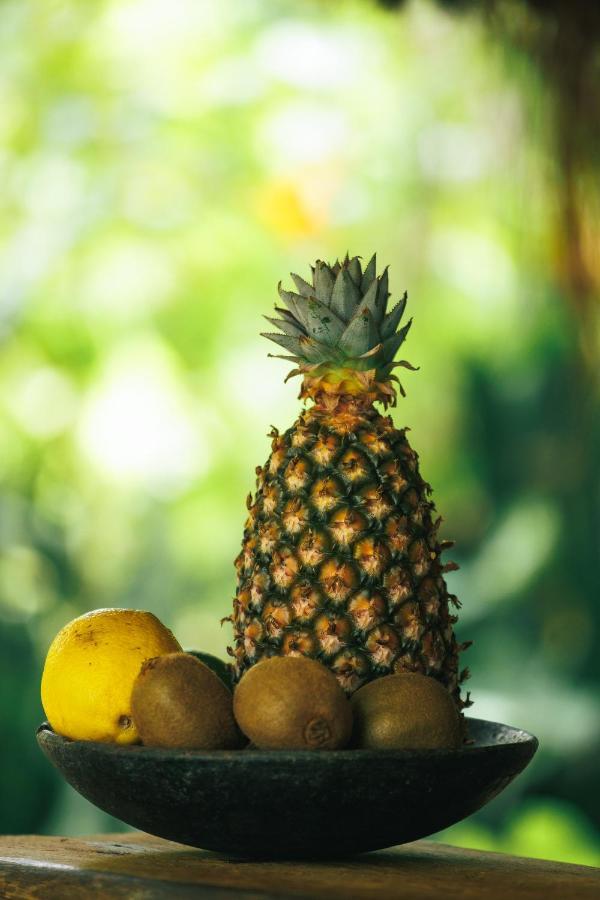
point(140, 867)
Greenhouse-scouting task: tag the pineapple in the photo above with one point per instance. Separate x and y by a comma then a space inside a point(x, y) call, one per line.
point(341, 559)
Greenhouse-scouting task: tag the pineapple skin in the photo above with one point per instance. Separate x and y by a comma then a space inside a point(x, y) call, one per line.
point(341, 559)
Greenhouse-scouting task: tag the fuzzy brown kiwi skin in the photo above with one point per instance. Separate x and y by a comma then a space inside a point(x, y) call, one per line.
point(178, 702)
point(292, 703)
point(406, 711)
point(222, 669)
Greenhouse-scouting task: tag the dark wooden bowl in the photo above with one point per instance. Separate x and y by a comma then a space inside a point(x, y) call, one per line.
point(293, 804)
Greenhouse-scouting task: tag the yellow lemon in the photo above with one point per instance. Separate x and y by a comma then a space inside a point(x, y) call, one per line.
point(90, 669)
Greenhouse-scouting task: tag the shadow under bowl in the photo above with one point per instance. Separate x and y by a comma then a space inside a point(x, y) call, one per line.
point(270, 804)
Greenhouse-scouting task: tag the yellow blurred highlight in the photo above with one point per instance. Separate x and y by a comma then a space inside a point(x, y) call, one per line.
point(283, 208)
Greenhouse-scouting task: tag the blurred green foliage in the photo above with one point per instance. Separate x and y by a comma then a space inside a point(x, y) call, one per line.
point(164, 163)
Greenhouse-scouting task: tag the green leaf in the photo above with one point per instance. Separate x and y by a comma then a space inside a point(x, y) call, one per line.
point(287, 315)
point(292, 328)
point(369, 274)
point(371, 302)
point(383, 291)
point(302, 311)
point(354, 271)
point(391, 344)
point(290, 299)
point(302, 348)
point(322, 323)
point(303, 287)
point(298, 305)
point(292, 344)
point(392, 320)
point(294, 359)
point(360, 335)
point(324, 282)
point(345, 296)
point(313, 350)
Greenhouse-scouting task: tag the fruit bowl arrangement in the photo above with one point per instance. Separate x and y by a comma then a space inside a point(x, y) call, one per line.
point(267, 804)
point(339, 725)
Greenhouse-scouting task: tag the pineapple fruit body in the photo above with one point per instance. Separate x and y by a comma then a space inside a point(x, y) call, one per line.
point(341, 559)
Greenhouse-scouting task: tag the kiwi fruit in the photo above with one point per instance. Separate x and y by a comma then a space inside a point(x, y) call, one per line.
point(216, 665)
point(292, 703)
point(405, 711)
point(178, 702)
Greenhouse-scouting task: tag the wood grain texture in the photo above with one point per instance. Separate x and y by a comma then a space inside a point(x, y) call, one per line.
point(142, 867)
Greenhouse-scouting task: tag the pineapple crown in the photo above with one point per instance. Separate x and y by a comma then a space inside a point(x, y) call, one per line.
point(338, 331)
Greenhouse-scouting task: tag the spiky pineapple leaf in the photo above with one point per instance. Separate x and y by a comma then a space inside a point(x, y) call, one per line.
point(287, 341)
point(287, 315)
point(299, 306)
point(294, 359)
point(345, 296)
point(324, 282)
point(322, 323)
point(360, 335)
point(392, 320)
point(304, 349)
point(290, 299)
point(370, 301)
point(302, 313)
point(383, 291)
point(340, 321)
point(314, 351)
point(303, 287)
point(391, 344)
point(355, 271)
point(369, 274)
point(294, 329)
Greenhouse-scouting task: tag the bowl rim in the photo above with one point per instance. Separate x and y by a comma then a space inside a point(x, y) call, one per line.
point(517, 737)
